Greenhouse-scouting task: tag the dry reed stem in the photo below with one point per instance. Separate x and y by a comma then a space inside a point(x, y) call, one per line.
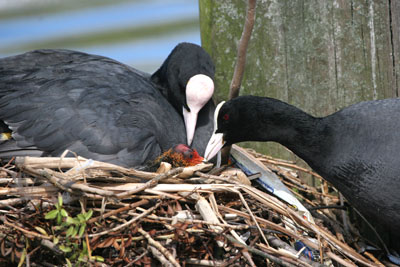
point(151, 183)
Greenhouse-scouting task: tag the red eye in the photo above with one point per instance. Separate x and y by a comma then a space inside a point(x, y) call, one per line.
point(226, 117)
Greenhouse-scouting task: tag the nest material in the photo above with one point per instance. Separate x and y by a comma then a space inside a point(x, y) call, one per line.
point(184, 217)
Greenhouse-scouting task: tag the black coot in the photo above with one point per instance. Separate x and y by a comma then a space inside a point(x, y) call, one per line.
point(356, 149)
point(54, 100)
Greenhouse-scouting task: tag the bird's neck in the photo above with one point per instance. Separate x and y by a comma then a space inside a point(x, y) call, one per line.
point(302, 133)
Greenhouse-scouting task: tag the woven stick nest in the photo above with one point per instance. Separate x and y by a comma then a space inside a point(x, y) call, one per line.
point(74, 211)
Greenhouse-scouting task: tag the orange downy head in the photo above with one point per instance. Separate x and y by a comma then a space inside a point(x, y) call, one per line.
point(182, 156)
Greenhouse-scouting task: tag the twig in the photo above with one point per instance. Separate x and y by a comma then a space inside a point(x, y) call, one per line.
point(68, 185)
point(259, 252)
point(373, 258)
point(284, 254)
point(17, 181)
point(10, 172)
point(160, 257)
point(276, 242)
point(253, 217)
point(248, 257)
point(348, 251)
point(242, 48)
point(137, 259)
point(208, 214)
point(338, 259)
point(12, 202)
point(66, 163)
point(144, 214)
point(152, 182)
point(290, 165)
point(50, 245)
point(215, 177)
point(199, 262)
point(374, 230)
point(27, 232)
point(190, 221)
point(157, 244)
point(240, 62)
point(117, 211)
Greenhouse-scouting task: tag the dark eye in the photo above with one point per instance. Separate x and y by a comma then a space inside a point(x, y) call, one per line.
point(226, 117)
point(191, 156)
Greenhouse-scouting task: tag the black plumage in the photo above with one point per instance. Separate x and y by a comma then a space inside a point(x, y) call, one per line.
point(356, 149)
point(54, 100)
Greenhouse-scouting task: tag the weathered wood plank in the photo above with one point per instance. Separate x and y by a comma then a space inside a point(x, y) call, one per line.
point(319, 55)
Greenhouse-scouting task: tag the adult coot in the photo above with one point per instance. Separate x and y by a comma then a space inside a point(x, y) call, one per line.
point(356, 149)
point(54, 100)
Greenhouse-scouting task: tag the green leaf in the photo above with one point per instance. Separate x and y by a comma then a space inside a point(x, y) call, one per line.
point(70, 231)
point(84, 247)
point(81, 217)
point(88, 215)
point(98, 258)
point(55, 240)
point(59, 218)
point(64, 213)
point(60, 200)
point(65, 249)
point(82, 230)
point(68, 262)
point(22, 259)
point(82, 258)
point(75, 231)
point(71, 220)
point(51, 215)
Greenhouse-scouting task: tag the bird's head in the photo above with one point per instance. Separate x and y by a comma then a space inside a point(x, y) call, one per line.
point(186, 80)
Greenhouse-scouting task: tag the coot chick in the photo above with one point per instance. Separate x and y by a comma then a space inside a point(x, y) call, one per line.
point(356, 149)
point(54, 100)
point(181, 156)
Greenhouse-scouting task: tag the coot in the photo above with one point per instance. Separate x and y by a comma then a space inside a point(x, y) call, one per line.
point(54, 100)
point(356, 149)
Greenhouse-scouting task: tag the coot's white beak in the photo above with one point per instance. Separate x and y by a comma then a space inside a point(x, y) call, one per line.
point(214, 145)
point(190, 118)
point(216, 141)
point(199, 91)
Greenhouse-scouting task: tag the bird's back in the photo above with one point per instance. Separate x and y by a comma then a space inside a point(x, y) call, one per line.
point(361, 157)
point(59, 99)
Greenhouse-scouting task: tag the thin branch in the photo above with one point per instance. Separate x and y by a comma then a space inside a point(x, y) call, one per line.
point(240, 64)
point(241, 54)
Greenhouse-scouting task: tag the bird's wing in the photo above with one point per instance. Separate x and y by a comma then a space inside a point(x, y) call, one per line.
point(99, 108)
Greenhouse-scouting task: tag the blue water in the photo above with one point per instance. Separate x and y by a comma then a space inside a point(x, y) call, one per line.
point(146, 54)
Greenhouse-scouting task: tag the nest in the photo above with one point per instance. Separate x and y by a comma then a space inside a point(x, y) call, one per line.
point(75, 211)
